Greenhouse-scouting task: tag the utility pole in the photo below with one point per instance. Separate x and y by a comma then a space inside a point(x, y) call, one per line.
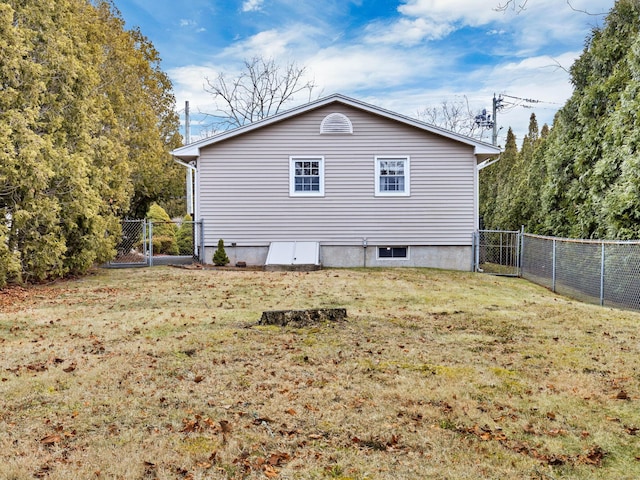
point(491, 121)
point(189, 180)
point(187, 126)
point(497, 105)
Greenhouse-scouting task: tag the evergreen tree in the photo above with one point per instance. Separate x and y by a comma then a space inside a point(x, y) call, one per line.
point(495, 187)
point(164, 231)
point(580, 179)
point(220, 255)
point(587, 145)
point(86, 121)
point(184, 236)
point(533, 178)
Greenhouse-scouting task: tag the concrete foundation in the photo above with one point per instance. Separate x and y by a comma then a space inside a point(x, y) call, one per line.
point(445, 257)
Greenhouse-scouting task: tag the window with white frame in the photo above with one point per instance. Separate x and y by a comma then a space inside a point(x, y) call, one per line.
point(306, 176)
point(392, 176)
point(391, 253)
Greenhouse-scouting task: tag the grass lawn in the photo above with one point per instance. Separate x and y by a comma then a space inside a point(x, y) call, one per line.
point(163, 373)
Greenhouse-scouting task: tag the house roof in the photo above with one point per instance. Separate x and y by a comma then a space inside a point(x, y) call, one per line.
point(191, 151)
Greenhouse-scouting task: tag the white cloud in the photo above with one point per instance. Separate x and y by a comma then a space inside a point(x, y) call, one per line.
point(468, 12)
point(407, 32)
point(343, 69)
point(252, 5)
point(284, 43)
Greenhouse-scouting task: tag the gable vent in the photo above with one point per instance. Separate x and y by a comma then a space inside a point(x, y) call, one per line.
point(336, 123)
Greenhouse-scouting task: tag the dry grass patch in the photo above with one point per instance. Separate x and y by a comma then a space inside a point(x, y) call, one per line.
point(164, 373)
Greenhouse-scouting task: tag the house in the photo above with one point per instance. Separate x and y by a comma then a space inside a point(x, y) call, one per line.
point(364, 185)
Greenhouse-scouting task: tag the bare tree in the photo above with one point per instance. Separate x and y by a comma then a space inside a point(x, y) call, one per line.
point(259, 91)
point(513, 5)
point(455, 116)
point(520, 5)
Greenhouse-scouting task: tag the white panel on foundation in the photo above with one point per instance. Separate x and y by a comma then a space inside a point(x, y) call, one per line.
point(293, 253)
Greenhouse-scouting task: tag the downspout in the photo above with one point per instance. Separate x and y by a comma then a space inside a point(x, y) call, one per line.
point(364, 254)
point(191, 169)
point(191, 206)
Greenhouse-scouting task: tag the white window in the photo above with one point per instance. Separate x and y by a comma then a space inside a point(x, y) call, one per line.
point(391, 253)
point(392, 176)
point(306, 176)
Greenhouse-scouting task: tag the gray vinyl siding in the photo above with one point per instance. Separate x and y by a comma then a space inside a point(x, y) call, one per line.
point(244, 185)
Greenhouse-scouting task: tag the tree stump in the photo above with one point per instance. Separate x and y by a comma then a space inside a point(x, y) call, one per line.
point(302, 318)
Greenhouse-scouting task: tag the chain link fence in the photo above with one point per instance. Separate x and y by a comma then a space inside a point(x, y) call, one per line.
point(133, 248)
point(497, 252)
point(146, 243)
point(175, 242)
point(593, 271)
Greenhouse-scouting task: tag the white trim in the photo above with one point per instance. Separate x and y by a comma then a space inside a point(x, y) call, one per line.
point(292, 176)
point(384, 259)
point(487, 163)
point(407, 176)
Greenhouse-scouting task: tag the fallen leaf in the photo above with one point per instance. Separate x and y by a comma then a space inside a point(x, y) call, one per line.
point(279, 458)
point(51, 439)
point(622, 395)
point(70, 368)
point(270, 472)
point(595, 456)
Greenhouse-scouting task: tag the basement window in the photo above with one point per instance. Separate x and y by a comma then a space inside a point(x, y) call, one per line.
point(391, 253)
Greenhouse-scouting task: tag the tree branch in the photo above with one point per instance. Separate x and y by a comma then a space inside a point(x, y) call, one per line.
point(262, 89)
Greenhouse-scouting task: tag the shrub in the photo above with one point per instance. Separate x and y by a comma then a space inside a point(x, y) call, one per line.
point(184, 236)
point(164, 245)
point(164, 231)
point(220, 256)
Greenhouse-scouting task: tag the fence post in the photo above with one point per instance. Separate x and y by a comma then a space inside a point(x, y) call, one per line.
point(553, 268)
point(150, 243)
point(477, 252)
point(145, 246)
point(473, 251)
point(202, 241)
point(602, 276)
point(520, 250)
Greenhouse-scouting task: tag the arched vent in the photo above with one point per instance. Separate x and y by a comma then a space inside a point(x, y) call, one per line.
point(336, 123)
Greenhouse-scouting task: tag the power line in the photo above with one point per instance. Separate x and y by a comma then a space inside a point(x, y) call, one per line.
point(490, 121)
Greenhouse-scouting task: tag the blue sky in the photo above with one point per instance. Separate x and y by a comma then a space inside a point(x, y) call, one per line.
point(403, 55)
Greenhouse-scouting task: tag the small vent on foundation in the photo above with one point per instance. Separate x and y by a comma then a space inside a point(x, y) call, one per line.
point(336, 123)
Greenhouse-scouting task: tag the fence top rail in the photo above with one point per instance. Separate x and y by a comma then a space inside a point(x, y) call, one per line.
point(583, 240)
point(175, 221)
point(499, 231)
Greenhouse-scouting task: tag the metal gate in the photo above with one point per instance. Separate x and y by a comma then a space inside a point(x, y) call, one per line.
point(136, 247)
point(133, 248)
point(497, 252)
